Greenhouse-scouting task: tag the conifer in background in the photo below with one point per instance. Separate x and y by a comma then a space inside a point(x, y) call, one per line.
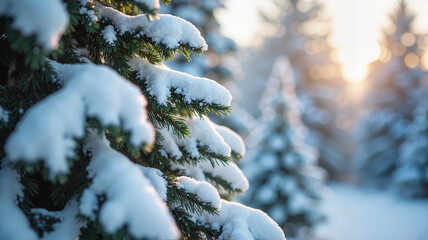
point(301, 34)
point(281, 167)
point(101, 140)
point(395, 88)
point(411, 176)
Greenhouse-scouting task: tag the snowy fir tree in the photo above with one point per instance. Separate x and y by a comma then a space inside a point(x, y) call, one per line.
point(395, 85)
point(101, 140)
point(411, 177)
point(302, 36)
point(285, 181)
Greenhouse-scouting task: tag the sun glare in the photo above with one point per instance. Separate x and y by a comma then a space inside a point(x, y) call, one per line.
point(355, 64)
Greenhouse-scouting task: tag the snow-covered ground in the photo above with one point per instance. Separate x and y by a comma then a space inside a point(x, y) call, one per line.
point(368, 214)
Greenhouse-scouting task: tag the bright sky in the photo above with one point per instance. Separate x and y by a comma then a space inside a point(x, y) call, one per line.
point(357, 24)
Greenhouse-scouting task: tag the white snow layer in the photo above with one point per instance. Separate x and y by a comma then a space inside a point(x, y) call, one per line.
point(229, 172)
point(47, 19)
point(109, 35)
point(156, 179)
point(243, 223)
point(130, 198)
point(68, 227)
point(205, 191)
point(166, 29)
point(160, 80)
point(4, 115)
point(13, 222)
point(232, 139)
point(57, 120)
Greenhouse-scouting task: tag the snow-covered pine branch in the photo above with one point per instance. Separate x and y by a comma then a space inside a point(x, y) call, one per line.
point(59, 119)
point(166, 29)
point(161, 80)
point(130, 199)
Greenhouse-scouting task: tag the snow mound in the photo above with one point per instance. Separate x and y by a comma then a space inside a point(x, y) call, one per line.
point(47, 19)
point(57, 120)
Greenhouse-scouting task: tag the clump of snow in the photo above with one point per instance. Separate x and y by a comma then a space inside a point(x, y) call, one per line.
point(242, 223)
point(57, 120)
point(168, 143)
point(130, 198)
point(166, 29)
point(156, 179)
point(13, 222)
point(229, 172)
point(4, 115)
point(205, 191)
point(232, 139)
point(47, 19)
point(89, 13)
point(68, 226)
point(88, 204)
point(160, 80)
point(203, 131)
point(109, 34)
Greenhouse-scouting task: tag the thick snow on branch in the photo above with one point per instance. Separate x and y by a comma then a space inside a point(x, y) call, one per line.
point(202, 133)
point(155, 177)
point(243, 223)
point(230, 173)
point(130, 198)
point(238, 221)
point(68, 227)
point(47, 19)
point(218, 139)
point(166, 29)
point(168, 143)
point(13, 222)
point(232, 139)
point(160, 80)
point(56, 121)
point(205, 191)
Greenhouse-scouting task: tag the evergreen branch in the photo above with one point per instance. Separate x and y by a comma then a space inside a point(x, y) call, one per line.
point(222, 184)
point(191, 229)
point(189, 201)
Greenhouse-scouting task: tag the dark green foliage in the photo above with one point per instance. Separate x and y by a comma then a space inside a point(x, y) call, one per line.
point(26, 78)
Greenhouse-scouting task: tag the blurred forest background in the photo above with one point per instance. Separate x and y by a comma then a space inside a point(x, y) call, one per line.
point(332, 99)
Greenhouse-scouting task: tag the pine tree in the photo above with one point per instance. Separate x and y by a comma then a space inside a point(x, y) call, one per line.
point(101, 140)
point(411, 177)
point(394, 84)
point(281, 167)
point(304, 40)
